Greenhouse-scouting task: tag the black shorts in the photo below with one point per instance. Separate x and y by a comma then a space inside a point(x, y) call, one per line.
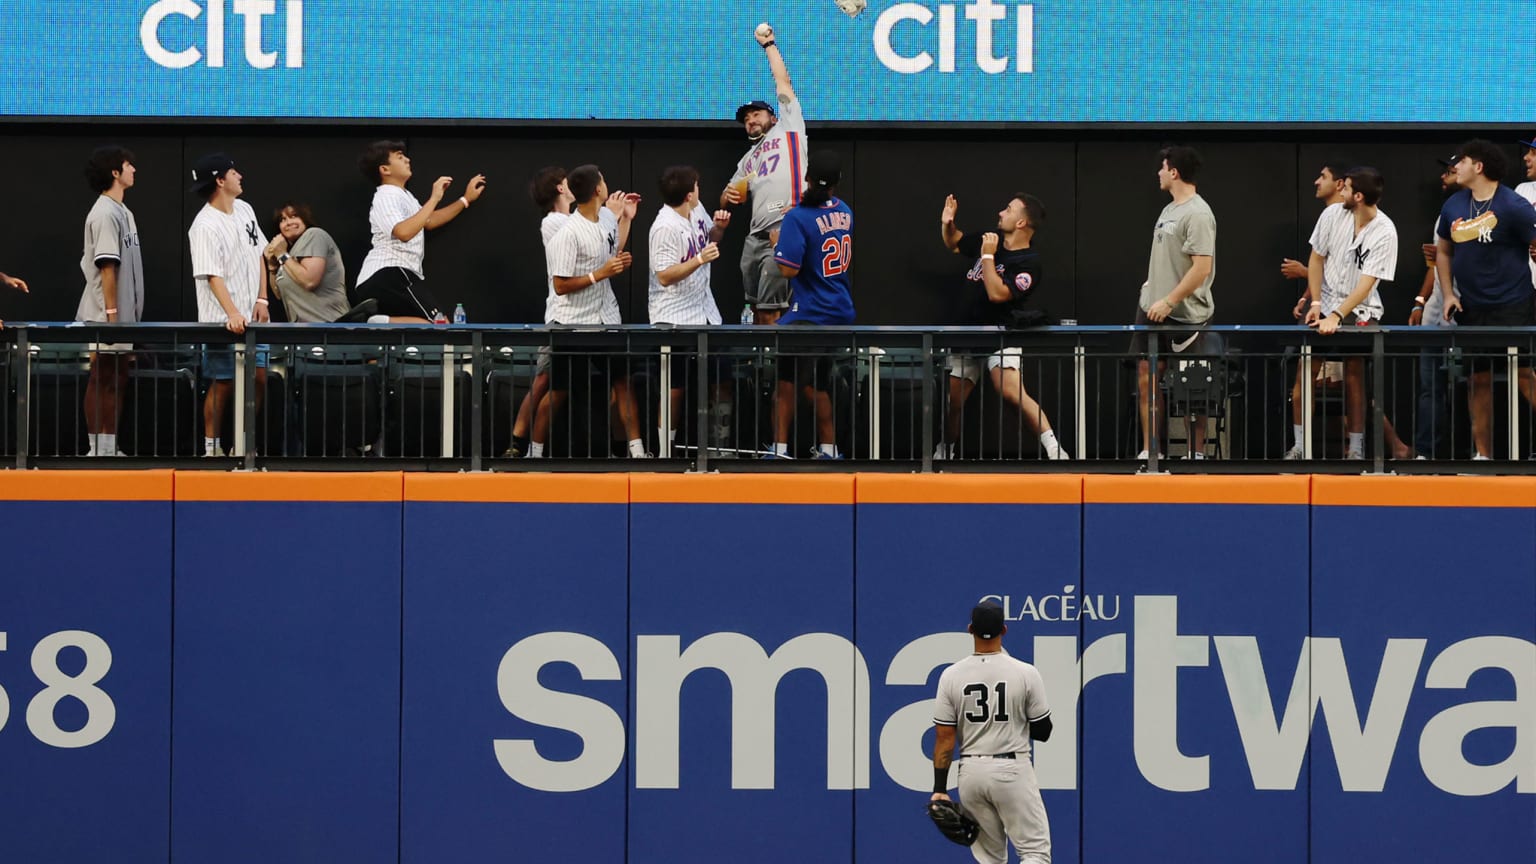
point(566, 367)
point(1177, 343)
point(1521, 313)
point(685, 369)
point(400, 294)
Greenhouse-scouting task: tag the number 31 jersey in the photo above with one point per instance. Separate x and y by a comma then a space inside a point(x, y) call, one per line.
point(992, 699)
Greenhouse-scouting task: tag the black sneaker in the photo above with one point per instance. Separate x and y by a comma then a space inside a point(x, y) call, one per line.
point(360, 313)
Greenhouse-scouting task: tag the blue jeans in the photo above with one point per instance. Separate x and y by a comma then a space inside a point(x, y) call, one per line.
point(1433, 418)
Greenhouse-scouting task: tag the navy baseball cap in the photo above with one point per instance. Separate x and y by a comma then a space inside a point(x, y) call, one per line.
point(1449, 162)
point(208, 169)
point(987, 620)
point(754, 105)
point(1531, 144)
point(825, 168)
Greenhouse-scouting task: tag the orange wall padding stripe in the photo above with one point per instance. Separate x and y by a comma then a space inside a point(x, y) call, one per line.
point(87, 485)
point(1424, 491)
point(969, 488)
point(1165, 489)
point(741, 488)
point(288, 486)
point(519, 488)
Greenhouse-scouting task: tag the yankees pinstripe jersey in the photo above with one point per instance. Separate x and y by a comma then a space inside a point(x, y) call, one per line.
point(674, 240)
point(548, 228)
point(1372, 251)
point(1527, 191)
point(227, 245)
point(391, 206)
point(991, 699)
point(111, 236)
point(577, 249)
point(775, 168)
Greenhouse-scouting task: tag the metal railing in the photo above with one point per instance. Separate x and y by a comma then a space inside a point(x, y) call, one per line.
point(894, 398)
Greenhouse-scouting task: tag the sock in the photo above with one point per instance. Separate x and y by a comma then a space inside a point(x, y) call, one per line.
point(536, 450)
point(106, 444)
point(827, 449)
point(1296, 432)
point(1356, 441)
point(780, 448)
point(636, 448)
point(210, 445)
point(1049, 443)
point(91, 449)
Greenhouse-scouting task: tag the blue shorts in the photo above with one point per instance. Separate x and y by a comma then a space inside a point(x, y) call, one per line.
point(219, 361)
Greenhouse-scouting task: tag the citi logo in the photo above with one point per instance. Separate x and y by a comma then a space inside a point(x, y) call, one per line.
point(255, 13)
point(985, 15)
point(1066, 606)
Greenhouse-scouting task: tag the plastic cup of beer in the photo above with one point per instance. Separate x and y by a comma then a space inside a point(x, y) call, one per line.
point(741, 185)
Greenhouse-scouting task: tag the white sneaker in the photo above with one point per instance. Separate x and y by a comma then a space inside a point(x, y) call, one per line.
point(1481, 458)
point(1294, 453)
point(1059, 453)
point(1144, 455)
point(1197, 455)
point(942, 452)
point(1356, 455)
point(215, 453)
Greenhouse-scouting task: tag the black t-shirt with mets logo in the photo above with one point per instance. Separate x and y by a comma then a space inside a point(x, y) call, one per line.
point(1020, 271)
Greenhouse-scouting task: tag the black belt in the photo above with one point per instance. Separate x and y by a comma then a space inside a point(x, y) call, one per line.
point(989, 756)
point(763, 234)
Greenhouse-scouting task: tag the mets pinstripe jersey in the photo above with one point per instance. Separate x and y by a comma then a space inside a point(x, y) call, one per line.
point(674, 240)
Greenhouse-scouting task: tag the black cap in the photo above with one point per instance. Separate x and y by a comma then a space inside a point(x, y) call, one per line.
point(1449, 162)
point(754, 105)
point(824, 169)
point(987, 620)
point(208, 169)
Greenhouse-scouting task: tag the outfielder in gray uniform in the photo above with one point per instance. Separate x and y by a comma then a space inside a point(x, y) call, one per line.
point(993, 705)
point(772, 174)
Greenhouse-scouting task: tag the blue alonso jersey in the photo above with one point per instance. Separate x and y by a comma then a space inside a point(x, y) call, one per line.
point(819, 241)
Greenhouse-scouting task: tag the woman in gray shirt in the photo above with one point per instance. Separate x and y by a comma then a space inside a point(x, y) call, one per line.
point(306, 267)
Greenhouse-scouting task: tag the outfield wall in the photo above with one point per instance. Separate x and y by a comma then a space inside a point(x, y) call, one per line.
point(664, 669)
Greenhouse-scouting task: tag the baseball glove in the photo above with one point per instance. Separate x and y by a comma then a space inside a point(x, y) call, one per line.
point(953, 822)
point(852, 8)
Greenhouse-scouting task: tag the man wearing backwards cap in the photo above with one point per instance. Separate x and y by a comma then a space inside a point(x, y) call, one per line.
point(770, 174)
point(993, 705)
point(226, 243)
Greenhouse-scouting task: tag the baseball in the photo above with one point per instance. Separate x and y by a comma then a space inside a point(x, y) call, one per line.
point(764, 30)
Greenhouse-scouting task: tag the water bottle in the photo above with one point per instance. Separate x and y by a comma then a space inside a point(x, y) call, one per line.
point(458, 314)
point(746, 314)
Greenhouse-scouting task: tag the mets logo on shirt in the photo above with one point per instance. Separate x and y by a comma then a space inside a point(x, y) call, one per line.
point(1024, 282)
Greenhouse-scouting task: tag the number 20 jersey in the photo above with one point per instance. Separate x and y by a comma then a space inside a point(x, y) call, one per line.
point(991, 699)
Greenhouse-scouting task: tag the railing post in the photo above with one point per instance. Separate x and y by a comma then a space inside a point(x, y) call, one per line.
point(1080, 394)
point(476, 398)
point(1306, 400)
point(446, 448)
point(1512, 394)
point(23, 398)
point(1378, 402)
point(874, 401)
point(1154, 398)
point(664, 446)
point(701, 402)
point(926, 448)
point(245, 385)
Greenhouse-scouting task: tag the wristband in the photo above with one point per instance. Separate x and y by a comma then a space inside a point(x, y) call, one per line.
point(261, 300)
point(464, 201)
point(282, 259)
point(1317, 302)
point(110, 311)
point(986, 255)
point(1418, 301)
point(940, 779)
point(592, 278)
point(769, 44)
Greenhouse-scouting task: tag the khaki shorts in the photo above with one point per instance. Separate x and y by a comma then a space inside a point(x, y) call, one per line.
point(969, 367)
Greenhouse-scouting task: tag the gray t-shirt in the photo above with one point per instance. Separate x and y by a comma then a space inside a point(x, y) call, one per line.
point(1182, 232)
point(329, 299)
point(775, 168)
point(111, 236)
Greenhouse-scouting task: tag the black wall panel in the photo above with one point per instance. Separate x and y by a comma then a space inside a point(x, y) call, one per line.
point(1099, 187)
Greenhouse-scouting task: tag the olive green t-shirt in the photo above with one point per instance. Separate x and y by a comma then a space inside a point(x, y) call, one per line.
point(1182, 232)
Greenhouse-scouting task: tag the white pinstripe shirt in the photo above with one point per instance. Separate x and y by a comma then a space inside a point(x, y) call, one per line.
point(547, 230)
point(1527, 191)
point(673, 241)
point(227, 245)
point(1370, 252)
point(391, 206)
point(578, 248)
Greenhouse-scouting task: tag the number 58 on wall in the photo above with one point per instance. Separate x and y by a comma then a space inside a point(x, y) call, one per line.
point(58, 685)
